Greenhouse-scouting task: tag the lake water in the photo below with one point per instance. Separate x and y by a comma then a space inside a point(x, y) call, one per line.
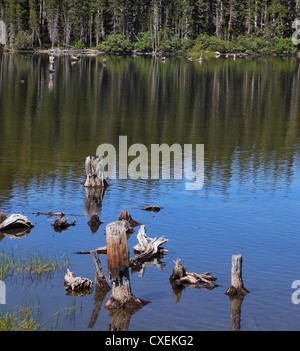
point(246, 112)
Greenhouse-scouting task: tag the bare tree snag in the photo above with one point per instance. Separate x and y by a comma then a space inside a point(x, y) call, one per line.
point(237, 286)
point(73, 283)
point(61, 224)
point(15, 221)
point(181, 278)
point(118, 269)
point(95, 175)
point(147, 248)
point(100, 280)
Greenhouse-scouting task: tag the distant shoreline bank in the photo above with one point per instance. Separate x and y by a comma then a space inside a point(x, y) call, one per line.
point(158, 54)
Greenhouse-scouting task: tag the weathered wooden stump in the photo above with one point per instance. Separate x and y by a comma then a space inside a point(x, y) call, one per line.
point(237, 287)
point(77, 284)
point(125, 216)
point(15, 221)
point(181, 278)
point(118, 269)
point(95, 175)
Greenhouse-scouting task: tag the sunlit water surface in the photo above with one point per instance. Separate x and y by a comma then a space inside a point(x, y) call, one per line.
point(245, 112)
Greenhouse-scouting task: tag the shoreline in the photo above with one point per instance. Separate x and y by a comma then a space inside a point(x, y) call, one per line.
point(157, 54)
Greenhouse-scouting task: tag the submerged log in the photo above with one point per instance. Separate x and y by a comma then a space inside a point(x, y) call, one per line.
point(152, 208)
point(95, 175)
point(50, 214)
point(73, 283)
point(181, 278)
point(15, 221)
point(118, 269)
point(147, 248)
point(237, 287)
point(61, 224)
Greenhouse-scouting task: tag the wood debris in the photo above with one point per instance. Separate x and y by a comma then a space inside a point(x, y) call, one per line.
point(61, 224)
point(181, 278)
point(73, 283)
point(152, 208)
point(147, 248)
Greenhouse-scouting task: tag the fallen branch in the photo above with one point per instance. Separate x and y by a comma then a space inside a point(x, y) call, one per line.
point(50, 214)
point(147, 248)
point(181, 278)
point(100, 251)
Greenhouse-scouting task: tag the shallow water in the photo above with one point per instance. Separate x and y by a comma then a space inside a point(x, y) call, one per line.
point(245, 112)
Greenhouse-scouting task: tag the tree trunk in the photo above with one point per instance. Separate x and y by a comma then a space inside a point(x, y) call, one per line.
point(237, 286)
point(118, 268)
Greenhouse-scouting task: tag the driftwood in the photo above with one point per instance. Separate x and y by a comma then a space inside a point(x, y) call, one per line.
point(147, 248)
point(152, 208)
point(15, 221)
point(237, 287)
point(61, 224)
point(118, 272)
point(76, 284)
point(50, 214)
point(181, 278)
point(95, 175)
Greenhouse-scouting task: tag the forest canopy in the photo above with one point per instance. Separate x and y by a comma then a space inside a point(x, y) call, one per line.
point(150, 25)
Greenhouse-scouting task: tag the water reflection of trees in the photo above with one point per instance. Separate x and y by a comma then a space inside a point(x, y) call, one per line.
point(245, 112)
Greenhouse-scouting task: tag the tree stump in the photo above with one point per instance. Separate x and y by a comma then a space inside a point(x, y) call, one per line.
point(95, 175)
point(237, 287)
point(118, 269)
point(125, 216)
point(76, 284)
point(180, 277)
point(15, 221)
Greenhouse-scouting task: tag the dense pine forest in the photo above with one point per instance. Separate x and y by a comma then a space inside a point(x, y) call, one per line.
point(151, 25)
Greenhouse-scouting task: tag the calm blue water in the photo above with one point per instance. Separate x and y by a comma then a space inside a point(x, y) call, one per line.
point(249, 204)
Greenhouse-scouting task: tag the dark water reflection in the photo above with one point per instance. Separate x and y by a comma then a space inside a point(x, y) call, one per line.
point(245, 112)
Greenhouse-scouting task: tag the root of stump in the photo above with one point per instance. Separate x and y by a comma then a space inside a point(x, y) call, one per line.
point(132, 303)
point(232, 291)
